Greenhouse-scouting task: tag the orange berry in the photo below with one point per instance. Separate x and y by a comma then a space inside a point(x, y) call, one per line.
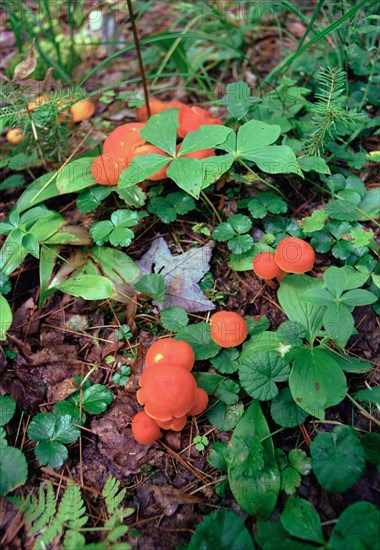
point(174, 352)
point(228, 329)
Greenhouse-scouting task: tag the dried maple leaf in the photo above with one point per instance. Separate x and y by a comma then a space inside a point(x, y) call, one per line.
point(181, 274)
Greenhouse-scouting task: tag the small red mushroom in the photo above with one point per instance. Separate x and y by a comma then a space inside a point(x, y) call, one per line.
point(175, 424)
point(168, 350)
point(124, 139)
point(157, 106)
point(228, 329)
point(144, 429)
point(294, 255)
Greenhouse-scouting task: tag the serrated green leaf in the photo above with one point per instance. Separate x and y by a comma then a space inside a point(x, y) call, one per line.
point(51, 453)
point(240, 244)
point(315, 222)
point(152, 285)
point(199, 337)
point(96, 399)
point(13, 469)
point(89, 199)
point(357, 528)
point(223, 232)
point(221, 529)
point(227, 391)
point(226, 361)
point(285, 411)
point(224, 417)
point(174, 318)
point(259, 372)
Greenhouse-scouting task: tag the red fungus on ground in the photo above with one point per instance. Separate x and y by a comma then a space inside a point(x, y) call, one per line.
point(157, 106)
point(170, 351)
point(191, 118)
point(228, 329)
point(123, 140)
point(294, 255)
point(144, 429)
point(167, 391)
point(106, 168)
point(265, 267)
point(175, 424)
point(201, 402)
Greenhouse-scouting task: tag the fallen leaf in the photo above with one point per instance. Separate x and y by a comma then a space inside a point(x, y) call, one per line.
point(169, 499)
point(181, 274)
point(26, 67)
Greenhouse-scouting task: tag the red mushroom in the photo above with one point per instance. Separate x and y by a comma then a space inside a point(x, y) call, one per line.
point(265, 267)
point(144, 429)
point(191, 118)
point(124, 139)
point(228, 329)
point(294, 255)
point(167, 391)
point(201, 402)
point(168, 350)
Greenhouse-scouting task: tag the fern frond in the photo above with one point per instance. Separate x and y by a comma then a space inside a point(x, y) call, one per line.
point(72, 511)
point(112, 495)
point(45, 510)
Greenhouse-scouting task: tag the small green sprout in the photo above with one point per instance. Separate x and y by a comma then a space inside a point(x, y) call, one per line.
point(122, 375)
point(124, 333)
point(200, 442)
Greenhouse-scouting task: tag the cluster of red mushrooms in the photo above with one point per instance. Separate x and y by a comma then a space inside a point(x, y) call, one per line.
point(293, 255)
point(168, 391)
point(125, 142)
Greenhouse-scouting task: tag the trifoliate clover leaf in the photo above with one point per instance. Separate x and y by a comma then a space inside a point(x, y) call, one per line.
point(266, 202)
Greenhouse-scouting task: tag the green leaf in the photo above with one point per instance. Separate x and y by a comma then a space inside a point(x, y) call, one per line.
point(75, 176)
point(266, 202)
point(358, 298)
point(338, 459)
point(369, 206)
point(227, 391)
point(315, 222)
point(254, 486)
point(290, 480)
point(290, 297)
point(371, 446)
point(13, 469)
point(5, 316)
point(141, 168)
point(161, 130)
point(372, 395)
point(88, 287)
point(316, 164)
point(259, 372)
point(152, 285)
point(240, 223)
point(64, 431)
point(285, 411)
point(240, 244)
point(301, 521)
point(174, 318)
point(100, 231)
point(89, 199)
point(272, 536)
point(335, 280)
point(116, 265)
point(206, 137)
point(238, 98)
point(51, 453)
point(316, 381)
point(42, 427)
point(357, 528)
point(318, 296)
point(217, 457)
point(362, 237)
point(338, 323)
point(275, 159)
point(300, 462)
point(221, 529)
point(254, 135)
point(224, 417)
point(214, 167)
point(223, 232)
point(7, 409)
point(342, 210)
point(121, 236)
point(96, 399)
point(225, 362)
point(187, 174)
point(199, 337)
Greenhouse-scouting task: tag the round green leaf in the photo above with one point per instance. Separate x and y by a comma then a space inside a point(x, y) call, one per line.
point(357, 527)
point(337, 459)
point(285, 411)
point(174, 318)
point(13, 469)
point(7, 409)
point(221, 529)
point(51, 453)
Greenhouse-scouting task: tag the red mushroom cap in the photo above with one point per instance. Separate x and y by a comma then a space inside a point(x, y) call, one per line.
point(294, 255)
point(228, 329)
point(144, 429)
point(265, 267)
point(124, 139)
point(168, 350)
point(201, 402)
point(106, 168)
point(191, 118)
point(167, 391)
point(148, 149)
point(175, 424)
